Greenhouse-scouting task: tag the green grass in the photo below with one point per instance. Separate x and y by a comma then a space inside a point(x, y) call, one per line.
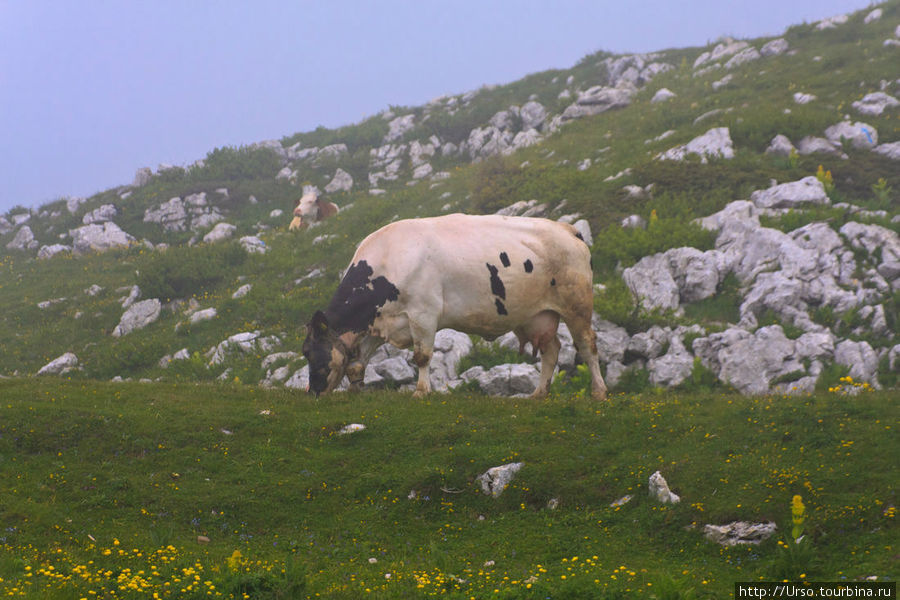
point(108, 488)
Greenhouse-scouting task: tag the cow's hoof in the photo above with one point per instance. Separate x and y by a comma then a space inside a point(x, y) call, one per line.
point(598, 395)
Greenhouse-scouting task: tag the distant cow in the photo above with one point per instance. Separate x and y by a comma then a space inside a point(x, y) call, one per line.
point(309, 209)
point(479, 274)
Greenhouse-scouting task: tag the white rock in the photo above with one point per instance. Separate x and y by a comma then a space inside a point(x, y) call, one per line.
point(584, 230)
point(774, 47)
point(23, 240)
point(744, 56)
point(299, 380)
point(494, 480)
point(253, 244)
point(100, 215)
point(715, 143)
point(533, 115)
point(860, 135)
point(52, 250)
point(142, 176)
point(861, 358)
point(634, 222)
point(221, 231)
point(811, 145)
point(660, 491)
point(398, 127)
point(891, 150)
point(831, 22)
point(422, 171)
point(139, 315)
point(60, 365)
point(206, 314)
point(341, 182)
point(875, 103)
point(672, 368)
point(802, 98)
point(242, 291)
point(99, 238)
point(662, 95)
point(504, 380)
point(808, 190)
point(739, 532)
point(780, 146)
point(873, 16)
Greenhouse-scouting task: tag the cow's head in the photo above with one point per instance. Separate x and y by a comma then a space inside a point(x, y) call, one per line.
point(307, 207)
point(326, 353)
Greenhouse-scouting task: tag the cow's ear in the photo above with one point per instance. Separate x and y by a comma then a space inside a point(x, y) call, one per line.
point(318, 326)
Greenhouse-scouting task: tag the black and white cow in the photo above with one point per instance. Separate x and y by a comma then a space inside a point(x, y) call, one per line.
point(485, 275)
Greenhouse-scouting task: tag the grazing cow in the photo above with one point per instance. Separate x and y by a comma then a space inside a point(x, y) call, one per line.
point(485, 275)
point(311, 209)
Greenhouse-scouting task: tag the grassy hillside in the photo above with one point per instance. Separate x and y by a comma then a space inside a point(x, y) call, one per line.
point(189, 491)
point(838, 66)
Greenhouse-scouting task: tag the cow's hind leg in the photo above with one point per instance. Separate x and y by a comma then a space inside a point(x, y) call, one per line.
point(541, 333)
point(586, 343)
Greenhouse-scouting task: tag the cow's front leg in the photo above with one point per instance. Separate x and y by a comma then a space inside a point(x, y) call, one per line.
point(423, 349)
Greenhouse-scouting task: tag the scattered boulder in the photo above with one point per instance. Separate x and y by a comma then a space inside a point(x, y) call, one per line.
point(142, 177)
point(139, 315)
point(659, 490)
point(743, 57)
point(774, 47)
point(245, 342)
point(242, 291)
point(890, 150)
point(341, 182)
point(811, 145)
point(23, 240)
point(253, 245)
point(100, 215)
point(808, 190)
point(739, 532)
point(398, 127)
point(875, 103)
point(207, 314)
point(52, 250)
point(504, 380)
point(662, 95)
point(494, 480)
point(803, 98)
point(598, 99)
point(780, 146)
point(99, 238)
point(860, 135)
point(60, 365)
point(831, 22)
point(715, 143)
point(221, 232)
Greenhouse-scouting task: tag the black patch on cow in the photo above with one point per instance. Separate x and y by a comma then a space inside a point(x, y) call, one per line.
point(504, 258)
point(501, 310)
point(497, 287)
point(529, 267)
point(553, 282)
point(358, 297)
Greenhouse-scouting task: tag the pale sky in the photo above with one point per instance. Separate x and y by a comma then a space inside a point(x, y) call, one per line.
point(92, 90)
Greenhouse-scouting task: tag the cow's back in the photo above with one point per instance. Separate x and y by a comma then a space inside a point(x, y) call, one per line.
point(483, 274)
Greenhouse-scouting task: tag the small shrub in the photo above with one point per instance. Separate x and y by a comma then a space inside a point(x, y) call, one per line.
point(183, 272)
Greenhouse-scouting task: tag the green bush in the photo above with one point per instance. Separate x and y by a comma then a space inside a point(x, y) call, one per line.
point(187, 271)
point(232, 164)
point(620, 246)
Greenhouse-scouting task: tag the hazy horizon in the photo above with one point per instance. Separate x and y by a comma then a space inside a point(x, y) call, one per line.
point(91, 93)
